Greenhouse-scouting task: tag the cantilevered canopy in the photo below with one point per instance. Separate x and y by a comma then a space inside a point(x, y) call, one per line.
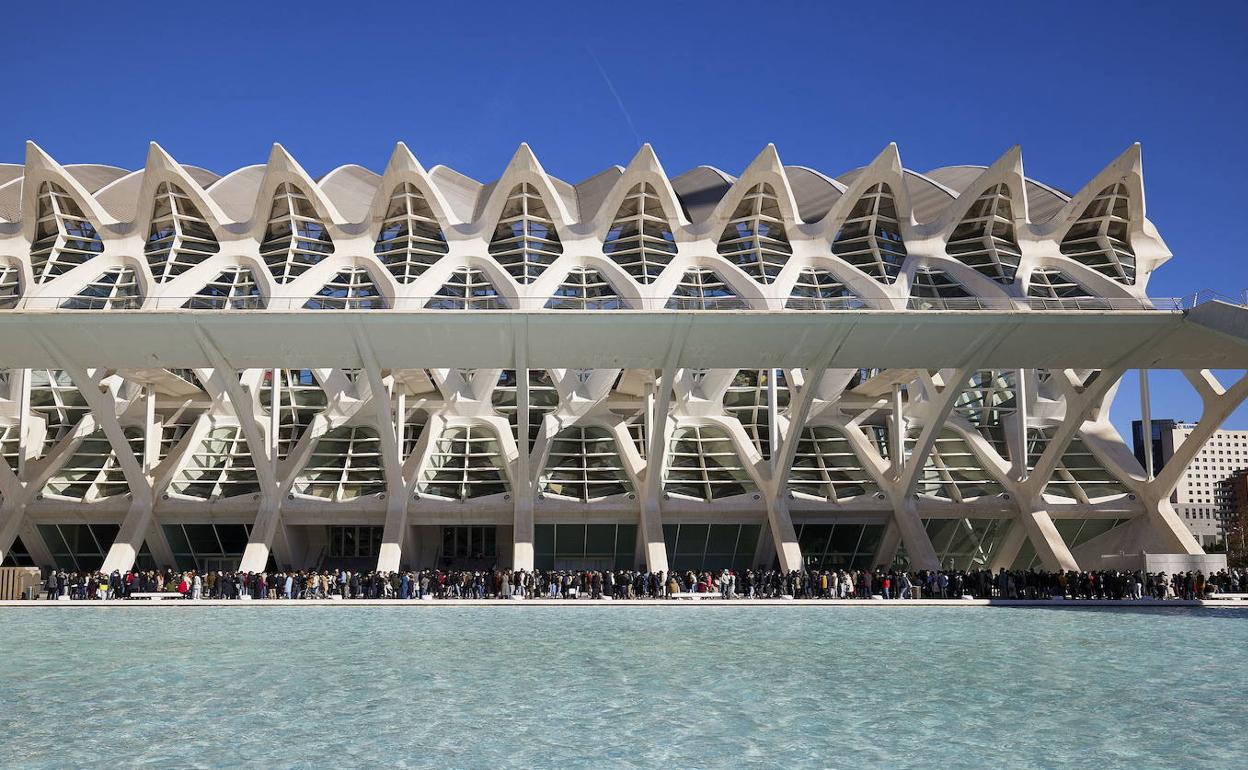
point(1213, 336)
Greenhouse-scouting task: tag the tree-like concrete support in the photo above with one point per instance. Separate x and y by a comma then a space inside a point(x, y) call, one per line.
point(522, 527)
point(651, 517)
point(137, 523)
point(390, 555)
point(1048, 542)
point(264, 457)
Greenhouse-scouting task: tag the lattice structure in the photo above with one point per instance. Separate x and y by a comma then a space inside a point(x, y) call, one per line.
point(467, 462)
point(1100, 237)
point(64, 237)
point(234, 289)
point(345, 465)
point(754, 238)
point(598, 473)
point(704, 289)
point(984, 239)
point(411, 239)
point(525, 241)
point(584, 465)
point(640, 239)
point(870, 238)
point(704, 465)
point(220, 467)
point(179, 237)
point(295, 238)
point(585, 289)
point(351, 289)
point(115, 289)
point(467, 289)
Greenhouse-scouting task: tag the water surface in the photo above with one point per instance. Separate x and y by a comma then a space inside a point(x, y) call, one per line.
point(605, 687)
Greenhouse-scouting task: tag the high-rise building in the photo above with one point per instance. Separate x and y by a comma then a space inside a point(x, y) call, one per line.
point(1203, 496)
point(413, 368)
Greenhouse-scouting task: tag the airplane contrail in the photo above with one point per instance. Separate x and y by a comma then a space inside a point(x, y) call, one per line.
point(614, 93)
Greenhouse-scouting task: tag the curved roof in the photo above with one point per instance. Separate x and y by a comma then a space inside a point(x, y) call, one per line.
point(351, 189)
point(236, 192)
point(815, 193)
point(92, 176)
point(928, 198)
point(700, 190)
point(956, 178)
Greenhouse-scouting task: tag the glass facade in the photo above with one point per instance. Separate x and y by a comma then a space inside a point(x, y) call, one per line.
point(711, 546)
point(584, 546)
point(839, 546)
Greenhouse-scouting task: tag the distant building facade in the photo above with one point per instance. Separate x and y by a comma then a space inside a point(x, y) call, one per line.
point(1206, 493)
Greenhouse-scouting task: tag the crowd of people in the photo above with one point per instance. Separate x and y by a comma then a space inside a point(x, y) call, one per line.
point(632, 584)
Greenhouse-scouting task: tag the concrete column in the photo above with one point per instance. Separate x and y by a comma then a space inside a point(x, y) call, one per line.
point(263, 533)
point(522, 555)
point(1146, 425)
point(887, 550)
point(275, 415)
point(390, 433)
point(151, 431)
point(773, 421)
point(782, 532)
point(1019, 460)
point(268, 514)
point(125, 548)
point(396, 534)
point(650, 511)
point(103, 405)
point(12, 517)
point(23, 421)
point(1045, 538)
point(913, 535)
point(1011, 545)
point(897, 432)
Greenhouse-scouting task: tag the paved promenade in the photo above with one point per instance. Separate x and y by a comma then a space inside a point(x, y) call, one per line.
point(450, 603)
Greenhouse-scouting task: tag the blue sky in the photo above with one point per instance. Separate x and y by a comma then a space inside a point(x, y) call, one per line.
point(829, 83)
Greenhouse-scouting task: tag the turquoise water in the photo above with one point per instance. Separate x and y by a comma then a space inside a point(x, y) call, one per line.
point(602, 687)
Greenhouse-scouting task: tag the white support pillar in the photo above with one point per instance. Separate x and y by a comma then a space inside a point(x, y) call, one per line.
point(389, 431)
point(522, 527)
point(1146, 425)
point(275, 415)
point(897, 432)
point(650, 512)
point(23, 420)
point(1019, 459)
point(887, 550)
point(12, 517)
point(151, 431)
point(1009, 548)
point(1050, 547)
point(103, 404)
point(651, 530)
point(773, 421)
point(269, 511)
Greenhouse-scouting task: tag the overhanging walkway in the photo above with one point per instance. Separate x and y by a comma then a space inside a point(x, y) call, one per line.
point(1213, 335)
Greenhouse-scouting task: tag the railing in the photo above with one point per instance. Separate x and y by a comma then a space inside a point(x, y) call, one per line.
point(491, 302)
point(1210, 295)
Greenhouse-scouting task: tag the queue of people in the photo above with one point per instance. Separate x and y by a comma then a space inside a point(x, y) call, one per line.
point(633, 584)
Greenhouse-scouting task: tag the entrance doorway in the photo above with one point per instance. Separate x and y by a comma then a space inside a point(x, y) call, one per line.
point(469, 548)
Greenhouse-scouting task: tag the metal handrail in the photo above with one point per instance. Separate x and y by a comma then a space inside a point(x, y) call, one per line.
point(491, 302)
point(1213, 295)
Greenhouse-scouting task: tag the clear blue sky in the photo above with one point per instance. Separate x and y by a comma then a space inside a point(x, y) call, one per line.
point(829, 83)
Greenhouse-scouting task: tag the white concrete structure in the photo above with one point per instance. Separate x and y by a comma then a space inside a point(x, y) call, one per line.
point(210, 371)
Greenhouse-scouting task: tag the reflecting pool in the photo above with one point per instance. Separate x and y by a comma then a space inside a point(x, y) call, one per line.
point(606, 687)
